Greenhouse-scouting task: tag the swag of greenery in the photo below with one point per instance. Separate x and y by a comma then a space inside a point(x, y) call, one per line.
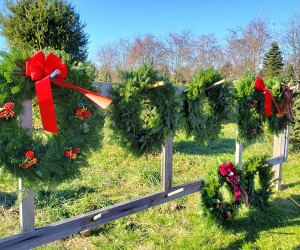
point(205, 109)
point(55, 157)
point(142, 117)
point(219, 209)
point(251, 119)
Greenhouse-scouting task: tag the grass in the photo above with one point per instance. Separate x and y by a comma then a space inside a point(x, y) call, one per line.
point(115, 176)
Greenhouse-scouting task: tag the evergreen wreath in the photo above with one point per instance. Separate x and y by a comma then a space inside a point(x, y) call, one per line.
point(45, 157)
point(143, 117)
point(213, 204)
point(205, 109)
point(251, 119)
point(215, 207)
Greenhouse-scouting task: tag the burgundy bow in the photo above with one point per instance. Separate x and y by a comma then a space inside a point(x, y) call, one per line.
point(229, 171)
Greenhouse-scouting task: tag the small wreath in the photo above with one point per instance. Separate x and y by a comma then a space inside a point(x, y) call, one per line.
point(205, 108)
point(143, 116)
point(213, 204)
point(43, 156)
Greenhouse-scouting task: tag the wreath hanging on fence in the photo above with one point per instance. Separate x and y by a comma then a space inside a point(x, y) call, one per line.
point(45, 157)
point(204, 106)
point(143, 115)
point(261, 107)
point(240, 183)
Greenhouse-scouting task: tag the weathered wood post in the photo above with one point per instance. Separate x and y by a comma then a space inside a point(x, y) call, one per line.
point(167, 164)
point(27, 221)
point(238, 151)
point(280, 148)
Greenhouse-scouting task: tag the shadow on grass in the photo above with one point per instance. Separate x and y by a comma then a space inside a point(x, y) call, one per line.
point(279, 213)
point(45, 198)
point(290, 185)
point(222, 146)
point(7, 200)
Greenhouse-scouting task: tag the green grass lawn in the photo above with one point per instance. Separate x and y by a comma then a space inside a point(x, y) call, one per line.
point(115, 176)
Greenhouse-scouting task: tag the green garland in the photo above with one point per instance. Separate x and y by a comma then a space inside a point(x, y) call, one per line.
point(142, 118)
point(257, 166)
point(214, 206)
point(204, 110)
point(43, 157)
point(251, 119)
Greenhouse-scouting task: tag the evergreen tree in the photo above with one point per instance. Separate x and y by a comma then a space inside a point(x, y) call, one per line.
point(295, 131)
point(290, 73)
point(273, 62)
point(38, 24)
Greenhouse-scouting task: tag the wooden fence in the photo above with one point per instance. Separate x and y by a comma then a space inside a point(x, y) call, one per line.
point(31, 238)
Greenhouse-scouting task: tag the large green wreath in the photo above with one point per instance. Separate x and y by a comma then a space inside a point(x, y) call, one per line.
point(43, 157)
point(143, 116)
point(251, 119)
point(205, 109)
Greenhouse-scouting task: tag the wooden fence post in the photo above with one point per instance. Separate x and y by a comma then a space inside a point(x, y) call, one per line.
point(280, 148)
point(166, 165)
point(27, 222)
point(238, 151)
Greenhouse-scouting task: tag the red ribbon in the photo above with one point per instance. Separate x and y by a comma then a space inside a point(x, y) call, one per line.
point(229, 171)
point(260, 86)
point(39, 67)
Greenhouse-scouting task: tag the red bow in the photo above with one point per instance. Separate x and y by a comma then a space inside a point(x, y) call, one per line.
point(260, 86)
point(39, 68)
point(229, 171)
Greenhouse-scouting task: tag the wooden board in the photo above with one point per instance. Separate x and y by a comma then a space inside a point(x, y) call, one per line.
point(95, 218)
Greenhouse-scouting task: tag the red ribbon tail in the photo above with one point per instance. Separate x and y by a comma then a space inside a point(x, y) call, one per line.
point(277, 107)
point(268, 102)
point(46, 104)
point(98, 99)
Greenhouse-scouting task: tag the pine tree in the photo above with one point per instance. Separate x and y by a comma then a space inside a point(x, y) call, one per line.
point(38, 24)
point(273, 62)
point(295, 131)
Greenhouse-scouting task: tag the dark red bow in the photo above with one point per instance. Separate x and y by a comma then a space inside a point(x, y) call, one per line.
point(229, 171)
point(39, 68)
point(287, 102)
point(260, 86)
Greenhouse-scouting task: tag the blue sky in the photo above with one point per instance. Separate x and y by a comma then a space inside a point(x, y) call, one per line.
point(109, 20)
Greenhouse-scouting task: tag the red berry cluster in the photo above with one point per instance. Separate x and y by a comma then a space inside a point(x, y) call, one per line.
point(250, 105)
point(83, 113)
point(259, 130)
point(71, 153)
point(30, 160)
point(7, 111)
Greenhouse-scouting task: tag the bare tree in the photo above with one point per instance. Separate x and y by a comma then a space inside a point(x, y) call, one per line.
point(179, 54)
point(208, 53)
point(291, 39)
point(145, 49)
point(246, 47)
point(111, 57)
